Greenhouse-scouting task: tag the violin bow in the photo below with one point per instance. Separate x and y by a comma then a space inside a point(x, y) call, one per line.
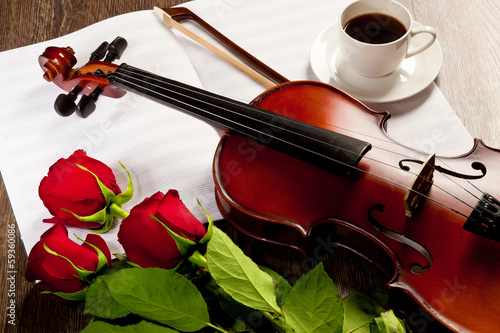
point(262, 73)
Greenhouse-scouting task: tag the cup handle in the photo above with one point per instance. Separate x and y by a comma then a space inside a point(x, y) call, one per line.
point(429, 30)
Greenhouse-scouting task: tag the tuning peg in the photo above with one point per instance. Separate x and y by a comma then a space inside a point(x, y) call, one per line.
point(65, 104)
point(100, 52)
point(86, 106)
point(116, 49)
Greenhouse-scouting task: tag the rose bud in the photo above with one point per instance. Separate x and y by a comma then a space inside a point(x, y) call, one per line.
point(64, 267)
point(83, 192)
point(162, 232)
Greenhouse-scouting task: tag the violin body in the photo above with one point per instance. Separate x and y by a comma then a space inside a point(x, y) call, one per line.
point(450, 272)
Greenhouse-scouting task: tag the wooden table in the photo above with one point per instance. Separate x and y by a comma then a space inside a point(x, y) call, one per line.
point(469, 34)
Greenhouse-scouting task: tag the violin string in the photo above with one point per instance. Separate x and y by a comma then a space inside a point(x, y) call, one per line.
point(391, 141)
point(468, 181)
point(276, 127)
point(267, 124)
point(130, 82)
point(395, 143)
point(259, 110)
point(327, 157)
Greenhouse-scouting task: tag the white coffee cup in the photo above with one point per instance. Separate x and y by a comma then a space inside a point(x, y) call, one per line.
point(375, 60)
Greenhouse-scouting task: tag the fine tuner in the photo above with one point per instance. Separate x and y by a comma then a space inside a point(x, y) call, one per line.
point(90, 80)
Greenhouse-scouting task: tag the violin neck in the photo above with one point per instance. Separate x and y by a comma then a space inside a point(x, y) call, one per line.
point(323, 148)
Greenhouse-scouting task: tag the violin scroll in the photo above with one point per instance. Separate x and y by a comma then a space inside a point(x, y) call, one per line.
point(89, 80)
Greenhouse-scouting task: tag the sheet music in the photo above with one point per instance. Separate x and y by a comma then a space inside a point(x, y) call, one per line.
point(161, 147)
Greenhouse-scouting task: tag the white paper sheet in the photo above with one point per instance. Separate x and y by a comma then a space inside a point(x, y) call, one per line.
point(161, 147)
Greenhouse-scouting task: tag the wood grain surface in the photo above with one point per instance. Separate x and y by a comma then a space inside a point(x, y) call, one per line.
point(469, 33)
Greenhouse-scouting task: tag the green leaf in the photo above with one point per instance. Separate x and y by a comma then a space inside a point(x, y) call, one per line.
point(281, 285)
point(236, 309)
point(160, 295)
point(359, 311)
point(124, 197)
point(99, 301)
point(73, 297)
point(313, 304)
point(224, 310)
point(238, 275)
point(389, 323)
point(142, 326)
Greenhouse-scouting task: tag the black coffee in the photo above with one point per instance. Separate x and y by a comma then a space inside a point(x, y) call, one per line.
point(375, 28)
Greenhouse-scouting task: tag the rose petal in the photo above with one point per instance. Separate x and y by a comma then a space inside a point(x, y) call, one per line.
point(36, 270)
point(72, 286)
point(104, 172)
point(178, 218)
point(100, 243)
point(146, 241)
point(56, 273)
point(70, 187)
point(56, 239)
point(81, 207)
point(148, 246)
point(68, 180)
point(34, 263)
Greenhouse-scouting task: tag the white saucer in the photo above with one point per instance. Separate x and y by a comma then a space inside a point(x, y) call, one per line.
point(414, 74)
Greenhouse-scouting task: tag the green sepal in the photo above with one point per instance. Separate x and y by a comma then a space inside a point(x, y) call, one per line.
point(388, 322)
point(133, 264)
point(208, 235)
point(83, 274)
point(106, 226)
point(103, 261)
point(102, 217)
point(124, 197)
point(125, 260)
point(121, 256)
point(184, 245)
point(114, 203)
point(109, 195)
point(74, 297)
point(99, 217)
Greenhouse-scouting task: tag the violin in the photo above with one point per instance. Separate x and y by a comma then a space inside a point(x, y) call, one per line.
point(306, 160)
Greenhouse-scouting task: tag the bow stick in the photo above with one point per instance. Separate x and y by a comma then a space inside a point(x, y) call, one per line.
point(252, 73)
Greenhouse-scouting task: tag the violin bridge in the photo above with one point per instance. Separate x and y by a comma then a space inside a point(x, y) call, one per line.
point(420, 186)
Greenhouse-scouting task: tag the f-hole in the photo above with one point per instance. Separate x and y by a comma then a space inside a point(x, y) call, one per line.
point(474, 165)
point(401, 238)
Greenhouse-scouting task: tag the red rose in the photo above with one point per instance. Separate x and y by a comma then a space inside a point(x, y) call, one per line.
point(80, 190)
point(147, 242)
point(64, 267)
